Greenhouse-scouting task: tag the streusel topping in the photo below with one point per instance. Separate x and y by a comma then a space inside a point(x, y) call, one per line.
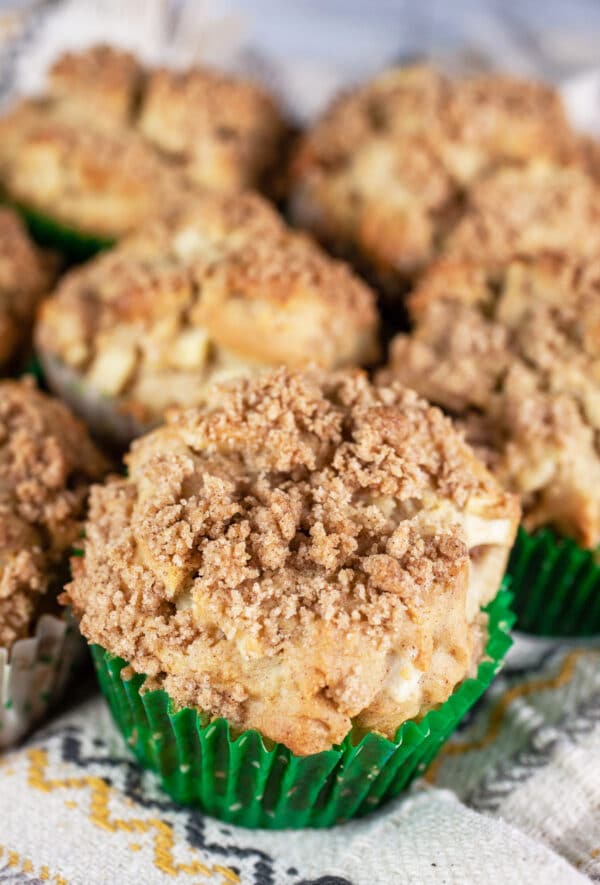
point(215, 288)
point(47, 463)
point(296, 557)
point(382, 176)
point(514, 353)
point(527, 211)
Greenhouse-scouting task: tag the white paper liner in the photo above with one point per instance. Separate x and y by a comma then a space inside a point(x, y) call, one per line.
point(33, 675)
point(100, 413)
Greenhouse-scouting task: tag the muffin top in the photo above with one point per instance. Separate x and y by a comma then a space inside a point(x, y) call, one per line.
point(110, 141)
point(225, 131)
point(508, 353)
point(216, 287)
point(381, 175)
point(305, 554)
point(100, 180)
point(47, 463)
point(26, 273)
point(102, 82)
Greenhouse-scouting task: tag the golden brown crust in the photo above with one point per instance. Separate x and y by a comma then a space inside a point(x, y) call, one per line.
point(109, 143)
point(101, 83)
point(224, 130)
point(103, 181)
point(295, 557)
point(381, 176)
point(47, 463)
point(506, 352)
point(26, 274)
point(216, 287)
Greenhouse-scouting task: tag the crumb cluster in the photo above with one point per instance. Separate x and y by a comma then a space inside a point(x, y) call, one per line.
point(514, 354)
point(296, 557)
point(110, 141)
point(383, 176)
point(216, 287)
point(47, 463)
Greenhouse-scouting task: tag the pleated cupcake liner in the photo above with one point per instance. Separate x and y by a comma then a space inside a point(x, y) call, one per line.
point(75, 245)
point(34, 673)
point(556, 585)
point(249, 781)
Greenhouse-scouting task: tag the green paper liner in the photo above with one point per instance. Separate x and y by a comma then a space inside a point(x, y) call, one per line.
point(250, 782)
point(76, 245)
point(556, 585)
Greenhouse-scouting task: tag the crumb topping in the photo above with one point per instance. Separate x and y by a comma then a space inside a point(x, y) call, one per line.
point(280, 555)
point(506, 352)
point(46, 465)
point(527, 211)
point(383, 174)
point(217, 287)
point(25, 275)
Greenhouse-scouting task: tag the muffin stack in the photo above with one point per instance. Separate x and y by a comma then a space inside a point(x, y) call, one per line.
point(295, 589)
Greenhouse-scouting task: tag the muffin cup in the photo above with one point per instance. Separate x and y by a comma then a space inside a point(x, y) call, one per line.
point(52, 234)
point(33, 674)
point(556, 585)
point(252, 782)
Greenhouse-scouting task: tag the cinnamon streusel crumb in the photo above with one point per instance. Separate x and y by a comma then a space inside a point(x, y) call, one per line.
point(295, 557)
point(47, 463)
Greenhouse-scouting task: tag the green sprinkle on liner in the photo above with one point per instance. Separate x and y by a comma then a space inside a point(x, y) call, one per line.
point(556, 585)
point(52, 234)
point(249, 781)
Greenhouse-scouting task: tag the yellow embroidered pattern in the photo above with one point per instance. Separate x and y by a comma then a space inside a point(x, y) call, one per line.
point(497, 713)
point(100, 816)
point(14, 860)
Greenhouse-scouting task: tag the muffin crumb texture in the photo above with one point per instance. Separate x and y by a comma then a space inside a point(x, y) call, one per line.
point(305, 555)
point(46, 465)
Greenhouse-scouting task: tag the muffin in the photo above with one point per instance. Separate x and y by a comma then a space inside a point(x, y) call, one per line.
point(26, 274)
point(305, 559)
point(216, 287)
point(47, 463)
point(109, 144)
point(506, 352)
point(81, 185)
point(382, 176)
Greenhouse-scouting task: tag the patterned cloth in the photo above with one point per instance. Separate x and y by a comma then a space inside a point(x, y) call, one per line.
point(513, 798)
